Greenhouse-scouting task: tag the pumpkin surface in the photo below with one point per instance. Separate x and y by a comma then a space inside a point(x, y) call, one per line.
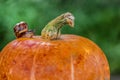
point(71, 57)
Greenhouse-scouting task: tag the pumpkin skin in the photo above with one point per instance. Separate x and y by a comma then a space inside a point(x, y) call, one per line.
point(69, 58)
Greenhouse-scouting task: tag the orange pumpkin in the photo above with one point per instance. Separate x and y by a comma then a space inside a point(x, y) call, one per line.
point(53, 57)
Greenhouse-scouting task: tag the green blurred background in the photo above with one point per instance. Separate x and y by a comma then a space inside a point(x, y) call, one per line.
point(98, 20)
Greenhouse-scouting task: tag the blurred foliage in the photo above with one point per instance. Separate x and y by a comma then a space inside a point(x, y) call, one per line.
point(98, 20)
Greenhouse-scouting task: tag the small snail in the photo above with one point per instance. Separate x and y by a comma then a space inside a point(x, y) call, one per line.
point(21, 30)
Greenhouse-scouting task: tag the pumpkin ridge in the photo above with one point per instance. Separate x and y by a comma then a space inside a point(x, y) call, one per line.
point(72, 68)
point(32, 72)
